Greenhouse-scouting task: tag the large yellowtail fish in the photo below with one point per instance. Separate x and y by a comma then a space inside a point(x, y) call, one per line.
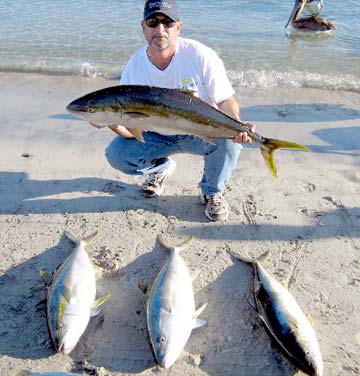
point(168, 112)
point(71, 297)
point(284, 320)
point(170, 308)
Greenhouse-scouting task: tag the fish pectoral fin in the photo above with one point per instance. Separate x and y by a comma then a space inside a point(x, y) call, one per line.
point(95, 311)
point(208, 140)
point(198, 323)
point(61, 308)
point(200, 310)
point(46, 277)
point(195, 275)
point(98, 302)
point(137, 133)
point(95, 308)
point(311, 320)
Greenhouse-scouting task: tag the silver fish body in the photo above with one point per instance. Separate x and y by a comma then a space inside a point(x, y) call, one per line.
point(70, 298)
point(168, 111)
point(285, 322)
point(170, 310)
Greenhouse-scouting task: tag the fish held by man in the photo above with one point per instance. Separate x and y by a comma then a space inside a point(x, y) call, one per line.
point(71, 296)
point(284, 320)
point(168, 111)
point(170, 308)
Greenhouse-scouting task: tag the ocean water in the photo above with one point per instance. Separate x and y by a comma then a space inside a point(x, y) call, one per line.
point(96, 37)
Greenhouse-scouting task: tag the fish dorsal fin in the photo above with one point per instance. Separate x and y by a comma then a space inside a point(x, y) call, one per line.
point(137, 133)
point(137, 115)
point(185, 244)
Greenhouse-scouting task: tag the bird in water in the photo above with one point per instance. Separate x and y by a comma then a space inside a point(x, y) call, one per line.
point(310, 20)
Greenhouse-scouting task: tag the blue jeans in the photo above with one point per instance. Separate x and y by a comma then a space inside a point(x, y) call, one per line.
point(137, 158)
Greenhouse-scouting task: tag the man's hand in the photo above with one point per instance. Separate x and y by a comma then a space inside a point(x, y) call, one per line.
point(231, 107)
point(243, 137)
point(118, 129)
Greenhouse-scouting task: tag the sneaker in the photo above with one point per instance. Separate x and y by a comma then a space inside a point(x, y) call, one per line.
point(217, 209)
point(154, 184)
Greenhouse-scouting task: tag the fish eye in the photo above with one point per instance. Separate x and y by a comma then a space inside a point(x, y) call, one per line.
point(162, 339)
point(90, 109)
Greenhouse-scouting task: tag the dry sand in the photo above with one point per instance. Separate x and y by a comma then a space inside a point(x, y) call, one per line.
point(54, 176)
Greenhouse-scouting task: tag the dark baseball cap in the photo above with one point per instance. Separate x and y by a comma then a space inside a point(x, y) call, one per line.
point(166, 7)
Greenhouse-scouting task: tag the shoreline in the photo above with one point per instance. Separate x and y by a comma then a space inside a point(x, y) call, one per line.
point(54, 176)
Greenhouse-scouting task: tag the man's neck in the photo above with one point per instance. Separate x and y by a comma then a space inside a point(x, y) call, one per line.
point(160, 59)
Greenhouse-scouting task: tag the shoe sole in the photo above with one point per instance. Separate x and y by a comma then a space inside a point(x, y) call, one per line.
point(169, 171)
point(218, 219)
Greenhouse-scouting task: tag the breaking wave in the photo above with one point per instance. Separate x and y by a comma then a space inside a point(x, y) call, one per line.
point(295, 79)
point(251, 78)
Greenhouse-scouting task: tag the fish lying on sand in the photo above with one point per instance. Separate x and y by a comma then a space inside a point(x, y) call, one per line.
point(170, 308)
point(168, 111)
point(71, 297)
point(284, 320)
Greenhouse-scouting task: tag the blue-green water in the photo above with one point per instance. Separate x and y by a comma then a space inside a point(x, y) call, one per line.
point(96, 37)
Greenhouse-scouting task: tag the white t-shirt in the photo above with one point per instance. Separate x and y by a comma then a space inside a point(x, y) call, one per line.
point(194, 67)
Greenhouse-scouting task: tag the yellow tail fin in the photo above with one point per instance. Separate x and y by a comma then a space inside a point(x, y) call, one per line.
point(271, 144)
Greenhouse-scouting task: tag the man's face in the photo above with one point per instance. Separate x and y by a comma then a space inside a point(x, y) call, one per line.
point(164, 34)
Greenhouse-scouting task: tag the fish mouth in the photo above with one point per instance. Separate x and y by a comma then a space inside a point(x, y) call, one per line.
point(167, 361)
point(73, 108)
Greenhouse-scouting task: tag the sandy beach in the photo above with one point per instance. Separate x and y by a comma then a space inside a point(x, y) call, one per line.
point(54, 177)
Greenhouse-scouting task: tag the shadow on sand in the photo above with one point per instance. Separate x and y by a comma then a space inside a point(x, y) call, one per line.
point(295, 113)
point(117, 338)
point(24, 196)
point(243, 348)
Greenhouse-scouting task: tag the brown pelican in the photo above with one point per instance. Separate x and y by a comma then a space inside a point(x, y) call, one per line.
point(311, 20)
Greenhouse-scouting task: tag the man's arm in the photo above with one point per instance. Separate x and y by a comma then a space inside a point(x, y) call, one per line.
point(118, 129)
point(231, 107)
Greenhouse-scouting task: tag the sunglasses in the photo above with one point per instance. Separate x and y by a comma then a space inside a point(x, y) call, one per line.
point(154, 22)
